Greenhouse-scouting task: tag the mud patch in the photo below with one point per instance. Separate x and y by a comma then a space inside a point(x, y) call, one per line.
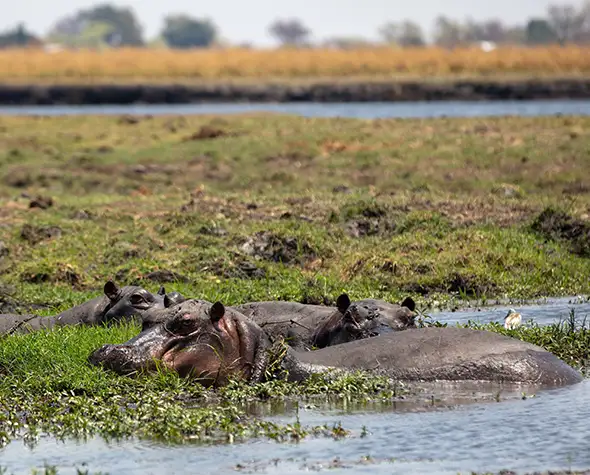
point(469, 285)
point(43, 202)
point(206, 132)
point(557, 225)
point(36, 234)
point(365, 218)
point(82, 214)
point(62, 273)
point(268, 246)
point(239, 268)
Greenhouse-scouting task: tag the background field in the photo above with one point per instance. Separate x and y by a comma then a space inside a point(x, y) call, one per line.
point(261, 207)
point(128, 65)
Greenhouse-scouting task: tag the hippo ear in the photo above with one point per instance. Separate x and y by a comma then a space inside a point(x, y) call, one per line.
point(167, 302)
point(409, 303)
point(162, 291)
point(111, 290)
point(343, 302)
point(217, 312)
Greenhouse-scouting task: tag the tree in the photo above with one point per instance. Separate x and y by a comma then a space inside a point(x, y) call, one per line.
point(17, 37)
point(119, 24)
point(447, 33)
point(183, 31)
point(406, 33)
point(539, 32)
point(290, 32)
point(566, 21)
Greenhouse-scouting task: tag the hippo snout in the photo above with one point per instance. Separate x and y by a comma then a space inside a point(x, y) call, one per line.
point(118, 358)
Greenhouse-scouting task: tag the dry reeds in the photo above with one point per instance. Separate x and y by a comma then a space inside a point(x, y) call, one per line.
point(157, 65)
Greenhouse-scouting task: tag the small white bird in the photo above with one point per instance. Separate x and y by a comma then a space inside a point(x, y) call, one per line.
point(512, 319)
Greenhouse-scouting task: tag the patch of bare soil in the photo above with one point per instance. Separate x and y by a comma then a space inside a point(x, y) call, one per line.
point(43, 202)
point(288, 250)
point(558, 225)
point(63, 273)
point(206, 132)
point(36, 234)
point(237, 268)
point(470, 285)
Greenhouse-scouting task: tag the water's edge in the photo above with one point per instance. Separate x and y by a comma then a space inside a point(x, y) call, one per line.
point(314, 91)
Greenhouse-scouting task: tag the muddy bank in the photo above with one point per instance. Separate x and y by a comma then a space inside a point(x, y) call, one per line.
point(312, 92)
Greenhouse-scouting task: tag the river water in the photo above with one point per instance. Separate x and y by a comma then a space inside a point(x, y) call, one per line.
point(542, 313)
point(472, 432)
point(547, 431)
point(359, 110)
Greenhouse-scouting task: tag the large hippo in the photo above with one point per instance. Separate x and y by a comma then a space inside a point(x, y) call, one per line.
point(306, 326)
point(117, 303)
point(211, 343)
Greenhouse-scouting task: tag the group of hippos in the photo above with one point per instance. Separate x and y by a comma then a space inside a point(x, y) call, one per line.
point(214, 343)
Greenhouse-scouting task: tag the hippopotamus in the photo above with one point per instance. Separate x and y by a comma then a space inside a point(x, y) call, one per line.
point(128, 302)
point(212, 344)
point(306, 326)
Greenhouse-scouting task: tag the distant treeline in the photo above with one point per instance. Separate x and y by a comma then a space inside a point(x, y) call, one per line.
point(109, 26)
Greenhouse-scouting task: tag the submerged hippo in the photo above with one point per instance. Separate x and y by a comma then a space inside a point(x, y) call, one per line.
point(212, 344)
point(117, 303)
point(305, 326)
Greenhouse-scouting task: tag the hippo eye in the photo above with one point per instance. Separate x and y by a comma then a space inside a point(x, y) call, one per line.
point(137, 300)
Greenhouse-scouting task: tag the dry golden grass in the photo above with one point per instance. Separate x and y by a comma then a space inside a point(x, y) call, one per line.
point(125, 65)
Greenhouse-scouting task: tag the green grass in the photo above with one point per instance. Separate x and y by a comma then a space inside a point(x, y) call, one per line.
point(47, 387)
point(443, 210)
point(436, 209)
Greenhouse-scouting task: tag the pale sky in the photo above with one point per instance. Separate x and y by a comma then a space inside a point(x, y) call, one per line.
point(248, 20)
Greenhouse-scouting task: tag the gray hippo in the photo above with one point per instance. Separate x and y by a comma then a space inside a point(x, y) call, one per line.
point(306, 326)
point(213, 344)
point(126, 302)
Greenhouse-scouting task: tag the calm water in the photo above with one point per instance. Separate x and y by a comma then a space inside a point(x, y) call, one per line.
point(361, 110)
point(551, 311)
point(548, 431)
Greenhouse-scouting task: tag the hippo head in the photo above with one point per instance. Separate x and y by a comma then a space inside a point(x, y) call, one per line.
point(196, 339)
point(363, 319)
point(133, 301)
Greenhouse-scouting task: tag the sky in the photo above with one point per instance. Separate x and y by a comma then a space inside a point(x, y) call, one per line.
point(247, 20)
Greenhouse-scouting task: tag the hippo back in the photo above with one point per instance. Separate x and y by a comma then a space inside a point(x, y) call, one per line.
point(449, 354)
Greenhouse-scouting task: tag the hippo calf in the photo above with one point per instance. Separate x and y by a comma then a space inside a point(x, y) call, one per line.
point(128, 302)
point(212, 344)
point(307, 326)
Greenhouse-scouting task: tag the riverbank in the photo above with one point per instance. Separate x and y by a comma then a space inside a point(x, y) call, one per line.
point(264, 207)
point(289, 91)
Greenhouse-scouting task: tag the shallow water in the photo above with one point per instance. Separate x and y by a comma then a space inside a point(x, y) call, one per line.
point(548, 431)
point(543, 313)
point(359, 110)
point(447, 429)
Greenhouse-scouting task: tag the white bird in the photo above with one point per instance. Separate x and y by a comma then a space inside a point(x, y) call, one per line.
point(512, 319)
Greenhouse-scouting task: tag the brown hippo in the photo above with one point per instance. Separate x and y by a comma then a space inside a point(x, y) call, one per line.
point(306, 326)
point(212, 344)
point(117, 303)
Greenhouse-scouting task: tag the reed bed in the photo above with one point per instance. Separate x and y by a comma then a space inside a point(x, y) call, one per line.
point(128, 65)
